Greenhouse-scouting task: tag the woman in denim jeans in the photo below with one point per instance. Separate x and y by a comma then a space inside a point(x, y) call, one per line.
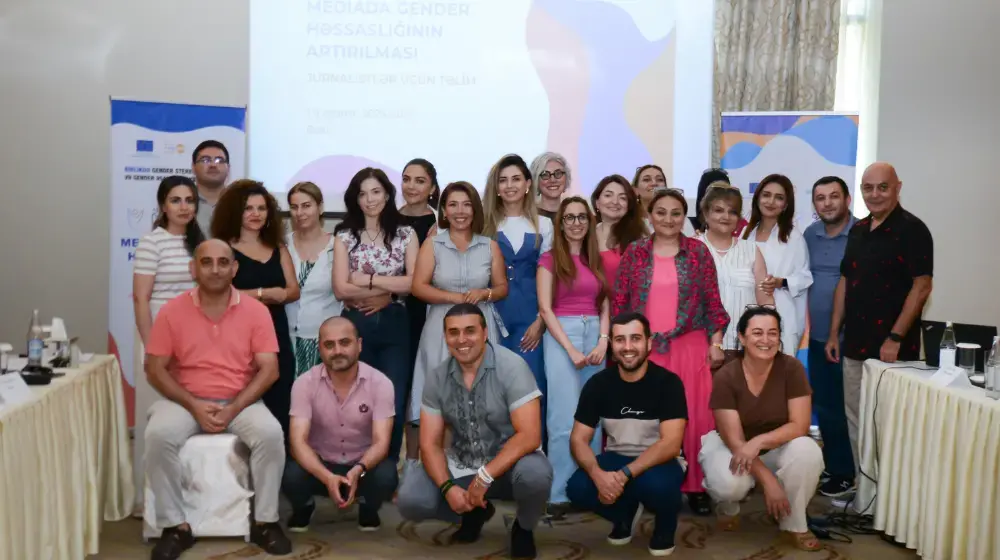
point(373, 261)
point(573, 302)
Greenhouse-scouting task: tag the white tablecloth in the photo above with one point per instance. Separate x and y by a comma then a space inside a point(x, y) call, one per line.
point(65, 465)
point(935, 453)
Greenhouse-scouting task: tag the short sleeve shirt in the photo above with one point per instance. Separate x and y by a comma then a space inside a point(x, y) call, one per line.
point(580, 296)
point(164, 256)
point(630, 413)
point(376, 258)
point(879, 267)
point(479, 418)
point(768, 410)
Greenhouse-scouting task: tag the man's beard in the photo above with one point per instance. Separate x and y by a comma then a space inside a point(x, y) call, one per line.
point(333, 363)
point(840, 217)
point(641, 359)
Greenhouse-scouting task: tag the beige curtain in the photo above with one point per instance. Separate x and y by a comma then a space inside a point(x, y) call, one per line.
point(774, 55)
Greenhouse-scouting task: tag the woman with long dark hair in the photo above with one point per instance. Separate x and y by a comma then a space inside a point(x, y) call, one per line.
point(772, 226)
point(373, 260)
point(619, 220)
point(247, 218)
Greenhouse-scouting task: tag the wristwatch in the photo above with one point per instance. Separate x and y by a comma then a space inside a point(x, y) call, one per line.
point(895, 337)
point(784, 283)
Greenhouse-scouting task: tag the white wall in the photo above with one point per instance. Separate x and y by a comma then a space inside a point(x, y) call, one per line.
point(61, 60)
point(939, 124)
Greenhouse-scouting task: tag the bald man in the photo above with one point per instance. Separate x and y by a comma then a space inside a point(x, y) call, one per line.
point(342, 414)
point(212, 354)
point(885, 280)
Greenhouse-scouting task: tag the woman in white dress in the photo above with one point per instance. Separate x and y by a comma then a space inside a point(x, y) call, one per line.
point(772, 226)
point(160, 273)
point(738, 262)
point(311, 249)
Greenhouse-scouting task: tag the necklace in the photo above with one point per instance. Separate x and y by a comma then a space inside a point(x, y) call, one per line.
point(371, 238)
point(732, 244)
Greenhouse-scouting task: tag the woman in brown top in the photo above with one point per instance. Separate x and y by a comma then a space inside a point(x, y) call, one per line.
point(762, 405)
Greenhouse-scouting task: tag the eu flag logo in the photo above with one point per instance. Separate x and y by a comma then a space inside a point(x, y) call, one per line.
point(144, 145)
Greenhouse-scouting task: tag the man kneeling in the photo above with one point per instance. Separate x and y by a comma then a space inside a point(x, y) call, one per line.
point(642, 409)
point(342, 413)
point(212, 354)
point(488, 397)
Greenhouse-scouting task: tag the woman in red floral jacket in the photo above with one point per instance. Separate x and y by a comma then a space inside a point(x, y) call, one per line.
point(671, 279)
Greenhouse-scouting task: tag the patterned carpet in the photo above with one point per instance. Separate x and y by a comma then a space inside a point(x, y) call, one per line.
point(334, 535)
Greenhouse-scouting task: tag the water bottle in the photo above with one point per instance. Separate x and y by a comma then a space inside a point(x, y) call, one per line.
point(993, 370)
point(36, 343)
point(948, 347)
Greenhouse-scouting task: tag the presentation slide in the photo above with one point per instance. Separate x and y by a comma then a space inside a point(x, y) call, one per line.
point(339, 85)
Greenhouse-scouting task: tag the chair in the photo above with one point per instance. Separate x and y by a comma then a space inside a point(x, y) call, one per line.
point(216, 488)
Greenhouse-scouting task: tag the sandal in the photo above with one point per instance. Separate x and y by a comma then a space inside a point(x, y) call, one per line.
point(728, 523)
point(804, 541)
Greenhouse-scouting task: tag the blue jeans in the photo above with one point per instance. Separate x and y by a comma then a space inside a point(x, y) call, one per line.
point(658, 489)
point(827, 380)
point(565, 382)
point(385, 345)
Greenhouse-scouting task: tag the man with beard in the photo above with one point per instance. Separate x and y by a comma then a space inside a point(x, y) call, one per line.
point(643, 411)
point(341, 423)
point(487, 396)
point(826, 239)
point(210, 164)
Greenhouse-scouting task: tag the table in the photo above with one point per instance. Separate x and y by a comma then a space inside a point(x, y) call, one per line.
point(65, 465)
point(935, 453)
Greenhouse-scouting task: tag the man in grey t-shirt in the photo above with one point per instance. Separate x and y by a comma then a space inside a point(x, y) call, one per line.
point(488, 397)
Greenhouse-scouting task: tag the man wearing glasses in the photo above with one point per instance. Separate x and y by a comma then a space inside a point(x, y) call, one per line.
point(885, 280)
point(210, 163)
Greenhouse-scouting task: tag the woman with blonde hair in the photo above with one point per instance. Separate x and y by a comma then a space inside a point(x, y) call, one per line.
point(551, 180)
point(511, 218)
point(311, 250)
point(573, 301)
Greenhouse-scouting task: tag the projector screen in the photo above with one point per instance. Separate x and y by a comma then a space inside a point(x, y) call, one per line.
point(338, 85)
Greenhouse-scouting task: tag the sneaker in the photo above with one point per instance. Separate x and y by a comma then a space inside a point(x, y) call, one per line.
point(824, 476)
point(621, 533)
point(270, 538)
point(662, 542)
point(558, 511)
point(300, 519)
point(837, 487)
point(172, 543)
point(522, 543)
point(700, 502)
point(368, 521)
point(472, 524)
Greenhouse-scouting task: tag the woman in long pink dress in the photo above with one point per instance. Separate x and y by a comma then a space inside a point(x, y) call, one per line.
point(671, 279)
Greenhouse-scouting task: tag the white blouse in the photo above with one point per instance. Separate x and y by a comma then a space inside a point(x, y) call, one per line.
point(515, 229)
point(790, 261)
point(316, 301)
point(737, 285)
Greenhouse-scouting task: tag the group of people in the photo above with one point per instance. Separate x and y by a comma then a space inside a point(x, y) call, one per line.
point(580, 354)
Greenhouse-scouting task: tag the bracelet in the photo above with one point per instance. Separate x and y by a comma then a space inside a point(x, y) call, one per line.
point(484, 476)
point(446, 485)
point(371, 281)
point(260, 293)
point(627, 472)
point(489, 294)
point(364, 469)
point(604, 336)
point(719, 346)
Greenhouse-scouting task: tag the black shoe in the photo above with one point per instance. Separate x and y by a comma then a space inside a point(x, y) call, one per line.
point(173, 542)
point(621, 534)
point(662, 541)
point(824, 476)
point(700, 503)
point(837, 487)
point(558, 512)
point(300, 519)
point(368, 520)
point(522, 543)
point(270, 538)
point(472, 524)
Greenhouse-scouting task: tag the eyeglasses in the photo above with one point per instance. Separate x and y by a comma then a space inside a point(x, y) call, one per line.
point(557, 174)
point(755, 306)
point(569, 219)
point(219, 160)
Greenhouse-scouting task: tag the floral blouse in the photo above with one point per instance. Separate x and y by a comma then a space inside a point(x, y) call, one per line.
point(377, 259)
point(699, 304)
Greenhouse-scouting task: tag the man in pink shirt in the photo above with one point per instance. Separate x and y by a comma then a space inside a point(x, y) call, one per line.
point(341, 424)
point(212, 354)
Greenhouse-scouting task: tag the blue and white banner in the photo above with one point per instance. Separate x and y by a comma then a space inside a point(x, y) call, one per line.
point(802, 145)
point(150, 141)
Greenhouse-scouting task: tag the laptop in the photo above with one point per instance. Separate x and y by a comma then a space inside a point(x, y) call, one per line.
point(978, 334)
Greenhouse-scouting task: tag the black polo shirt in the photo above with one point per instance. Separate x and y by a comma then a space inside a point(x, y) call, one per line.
point(879, 266)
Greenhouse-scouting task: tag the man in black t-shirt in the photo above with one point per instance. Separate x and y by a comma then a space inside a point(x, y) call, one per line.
point(642, 409)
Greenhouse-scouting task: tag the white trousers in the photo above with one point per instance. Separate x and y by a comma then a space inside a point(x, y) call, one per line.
point(797, 465)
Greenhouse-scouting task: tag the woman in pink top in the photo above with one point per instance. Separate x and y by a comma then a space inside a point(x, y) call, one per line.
point(671, 279)
point(619, 220)
point(573, 302)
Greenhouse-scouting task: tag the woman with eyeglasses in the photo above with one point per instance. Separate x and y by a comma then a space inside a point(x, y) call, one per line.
point(619, 220)
point(552, 176)
point(311, 250)
point(711, 177)
point(739, 264)
point(647, 181)
point(772, 227)
point(671, 279)
point(511, 218)
point(573, 301)
point(762, 404)
point(247, 217)
point(374, 256)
